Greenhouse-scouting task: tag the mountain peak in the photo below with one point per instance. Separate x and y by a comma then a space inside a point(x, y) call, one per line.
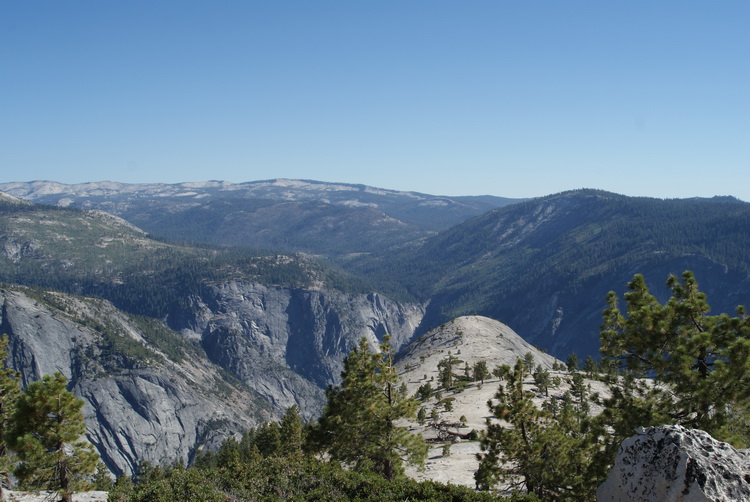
point(471, 339)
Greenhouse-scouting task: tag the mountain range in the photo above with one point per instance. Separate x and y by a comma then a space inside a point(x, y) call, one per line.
point(290, 215)
point(253, 293)
point(544, 265)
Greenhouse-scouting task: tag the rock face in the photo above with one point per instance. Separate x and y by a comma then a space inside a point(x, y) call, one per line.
point(140, 402)
point(308, 330)
point(146, 401)
point(674, 464)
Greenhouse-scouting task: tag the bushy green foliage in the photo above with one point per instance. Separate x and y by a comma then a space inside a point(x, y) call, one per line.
point(170, 485)
point(10, 391)
point(554, 454)
point(48, 434)
point(358, 426)
point(447, 367)
point(286, 478)
point(247, 470)
point(699, 364)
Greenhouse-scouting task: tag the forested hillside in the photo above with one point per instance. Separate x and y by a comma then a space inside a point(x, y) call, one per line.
point(94, 253)
point(545, 266)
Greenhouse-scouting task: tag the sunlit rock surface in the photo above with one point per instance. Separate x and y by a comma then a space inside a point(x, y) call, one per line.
point(674, 464)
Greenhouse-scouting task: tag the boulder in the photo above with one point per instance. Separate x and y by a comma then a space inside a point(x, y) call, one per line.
point(672, 463)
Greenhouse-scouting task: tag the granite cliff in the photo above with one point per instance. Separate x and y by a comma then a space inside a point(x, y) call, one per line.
point(245, 354)
point(142, 402)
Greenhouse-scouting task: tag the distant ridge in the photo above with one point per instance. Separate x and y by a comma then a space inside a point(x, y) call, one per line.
point(545, 266)
point(333, 219)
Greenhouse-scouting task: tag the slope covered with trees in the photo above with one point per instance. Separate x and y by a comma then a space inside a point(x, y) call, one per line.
point(542, 266)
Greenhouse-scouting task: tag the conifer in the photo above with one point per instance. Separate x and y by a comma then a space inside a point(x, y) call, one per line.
point(358, 425)
point(550, 454)
point(9, 392)
point(48, 437)
point(699, 364)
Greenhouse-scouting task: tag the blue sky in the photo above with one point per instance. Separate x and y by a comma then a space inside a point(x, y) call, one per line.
point(510, 98)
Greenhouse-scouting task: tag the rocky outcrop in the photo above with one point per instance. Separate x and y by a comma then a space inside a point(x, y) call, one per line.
point(280, 346)
point(674, 464)
point(247, 328)
point(141, 403)
point(475, 338)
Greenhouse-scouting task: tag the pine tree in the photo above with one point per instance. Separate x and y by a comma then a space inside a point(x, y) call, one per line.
point(291, 432)
point(572, 363)
point(528, 360)
point(268, 439)
point(229, 454)
point(424, 391)
point(590, 366)
point(9, 392)
point(542, 379)
point(552, 453)
point(700, 363)
point(249, 451)
point(358, 426)
point(481, 372)
point(501, 372)
point(47, 434)
point(446, 371)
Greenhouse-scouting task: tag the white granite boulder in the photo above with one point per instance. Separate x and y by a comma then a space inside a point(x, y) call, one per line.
point(671, 463)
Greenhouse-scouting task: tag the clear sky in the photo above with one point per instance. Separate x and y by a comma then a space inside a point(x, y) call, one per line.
point(511, 98)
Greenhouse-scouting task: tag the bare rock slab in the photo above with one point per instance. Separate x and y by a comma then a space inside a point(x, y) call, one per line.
point(671, 463)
